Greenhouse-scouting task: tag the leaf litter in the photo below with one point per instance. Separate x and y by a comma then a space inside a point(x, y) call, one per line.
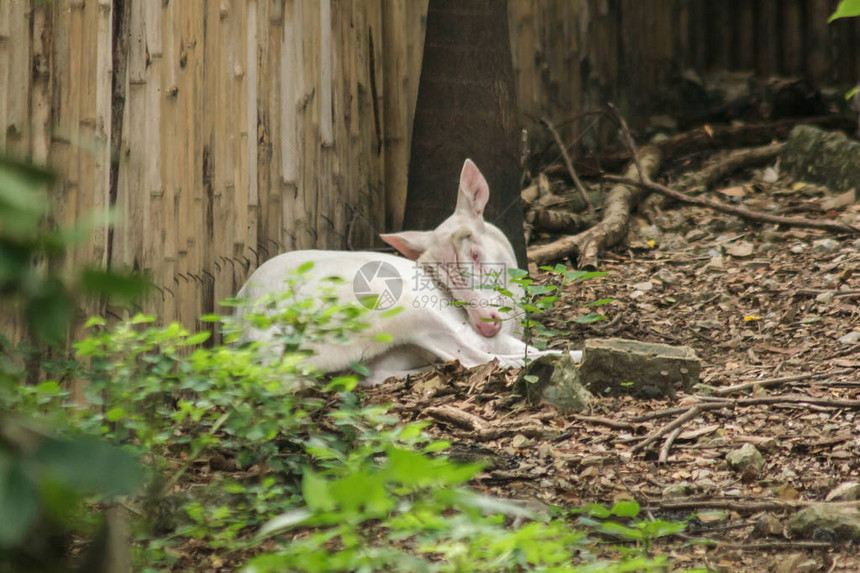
point(773, 313)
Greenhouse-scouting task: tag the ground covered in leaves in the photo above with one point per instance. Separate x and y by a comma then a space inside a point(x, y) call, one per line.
point(772, 310)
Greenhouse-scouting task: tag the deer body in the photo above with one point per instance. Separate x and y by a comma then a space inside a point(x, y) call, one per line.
point(445, 314)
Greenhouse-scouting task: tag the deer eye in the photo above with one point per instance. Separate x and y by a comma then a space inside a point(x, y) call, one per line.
point(475, 253)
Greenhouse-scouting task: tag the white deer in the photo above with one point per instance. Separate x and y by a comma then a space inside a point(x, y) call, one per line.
point(445, 314)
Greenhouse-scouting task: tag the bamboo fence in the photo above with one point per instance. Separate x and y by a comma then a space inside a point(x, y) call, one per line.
point(223, 132)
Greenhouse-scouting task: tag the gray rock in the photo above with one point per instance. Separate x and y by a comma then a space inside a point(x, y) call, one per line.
point(797, 563)
point(666, 276)
point(770, 175)
point(768, 526)
point(848, 491)
point(746, 460)
point(826, 522)
point(826, 245)
point(852, 337)
point(681, 489)
point(827, 157)
point(650, 232)
point(825, 297)
point(772, 235)
point(554, 379)
point(618, 366)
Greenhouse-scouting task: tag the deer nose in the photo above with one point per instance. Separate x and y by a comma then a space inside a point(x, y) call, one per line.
point(490, 329)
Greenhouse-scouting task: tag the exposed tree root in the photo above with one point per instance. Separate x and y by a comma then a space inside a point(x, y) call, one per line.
point(741, 212)
point(586, 246)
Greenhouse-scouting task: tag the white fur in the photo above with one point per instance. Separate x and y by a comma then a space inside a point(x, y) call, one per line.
point(429, 328)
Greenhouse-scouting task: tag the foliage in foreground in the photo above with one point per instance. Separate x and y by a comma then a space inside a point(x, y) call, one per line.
point(243, 455)
point(320, 481)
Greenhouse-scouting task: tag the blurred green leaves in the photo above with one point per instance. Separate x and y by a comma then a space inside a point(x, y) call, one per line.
point(30, 253)
point(846, 9)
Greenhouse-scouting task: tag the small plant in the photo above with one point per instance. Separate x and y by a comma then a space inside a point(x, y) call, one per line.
point(535, 299)
point(620, 522)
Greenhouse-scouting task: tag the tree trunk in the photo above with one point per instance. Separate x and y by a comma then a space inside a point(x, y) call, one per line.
point(466, 108)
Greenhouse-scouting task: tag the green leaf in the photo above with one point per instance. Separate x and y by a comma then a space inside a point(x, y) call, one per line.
point(95, 321)
point(89, 465)
point(383, 338)
point(19, 502)
point(622, 531)
point(315, 490)
point(437, 446)
point(114, 414)
point(626, 509)
point(342, 384)
point(852, 92)
point(492, 505)
point(195, 339)
point(392, 312)
point(284, 522)
point(360, 369)
point(588, 318)
point(600, 302)
point(48, 387)
point(846, 9)
point(594, 510)
point(50, 312)
point(114, 285)
point(530, 378)
point(305, 267)
point(141, 318)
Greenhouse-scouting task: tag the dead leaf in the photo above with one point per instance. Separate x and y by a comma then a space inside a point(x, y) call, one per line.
point(839, 201)
point(787, 492)
point(698, 432)
point(740, 249)
point(735, 191)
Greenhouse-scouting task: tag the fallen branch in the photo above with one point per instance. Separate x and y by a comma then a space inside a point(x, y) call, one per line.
point(691, 413)
point(724, 403)
point(608, 422)
point(457, 418)
point(734, 161)
point(667, 445)
point(586, 246)
point(741, 212)
point(776, 381)
point(744, 507)
point(705, 138)
point(718, 403)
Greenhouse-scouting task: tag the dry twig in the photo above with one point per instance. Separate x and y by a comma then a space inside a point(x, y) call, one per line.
point(691, 413)
point(741, 212)
point(724, 391)
point(569, 164)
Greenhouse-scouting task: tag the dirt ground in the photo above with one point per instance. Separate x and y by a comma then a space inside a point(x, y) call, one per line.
point(756, 302)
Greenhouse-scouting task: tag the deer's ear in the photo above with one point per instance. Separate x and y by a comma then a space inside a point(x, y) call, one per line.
point(410, 244)
point(474, 191)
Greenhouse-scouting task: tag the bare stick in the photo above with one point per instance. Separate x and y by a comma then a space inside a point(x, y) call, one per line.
point(627, 139)
point(775, 381)
point(677, 422)
point(600, 421)
point(667, 445)
point(724, 403)
point(569, 164)
point(744, 507)
point(738, 211)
